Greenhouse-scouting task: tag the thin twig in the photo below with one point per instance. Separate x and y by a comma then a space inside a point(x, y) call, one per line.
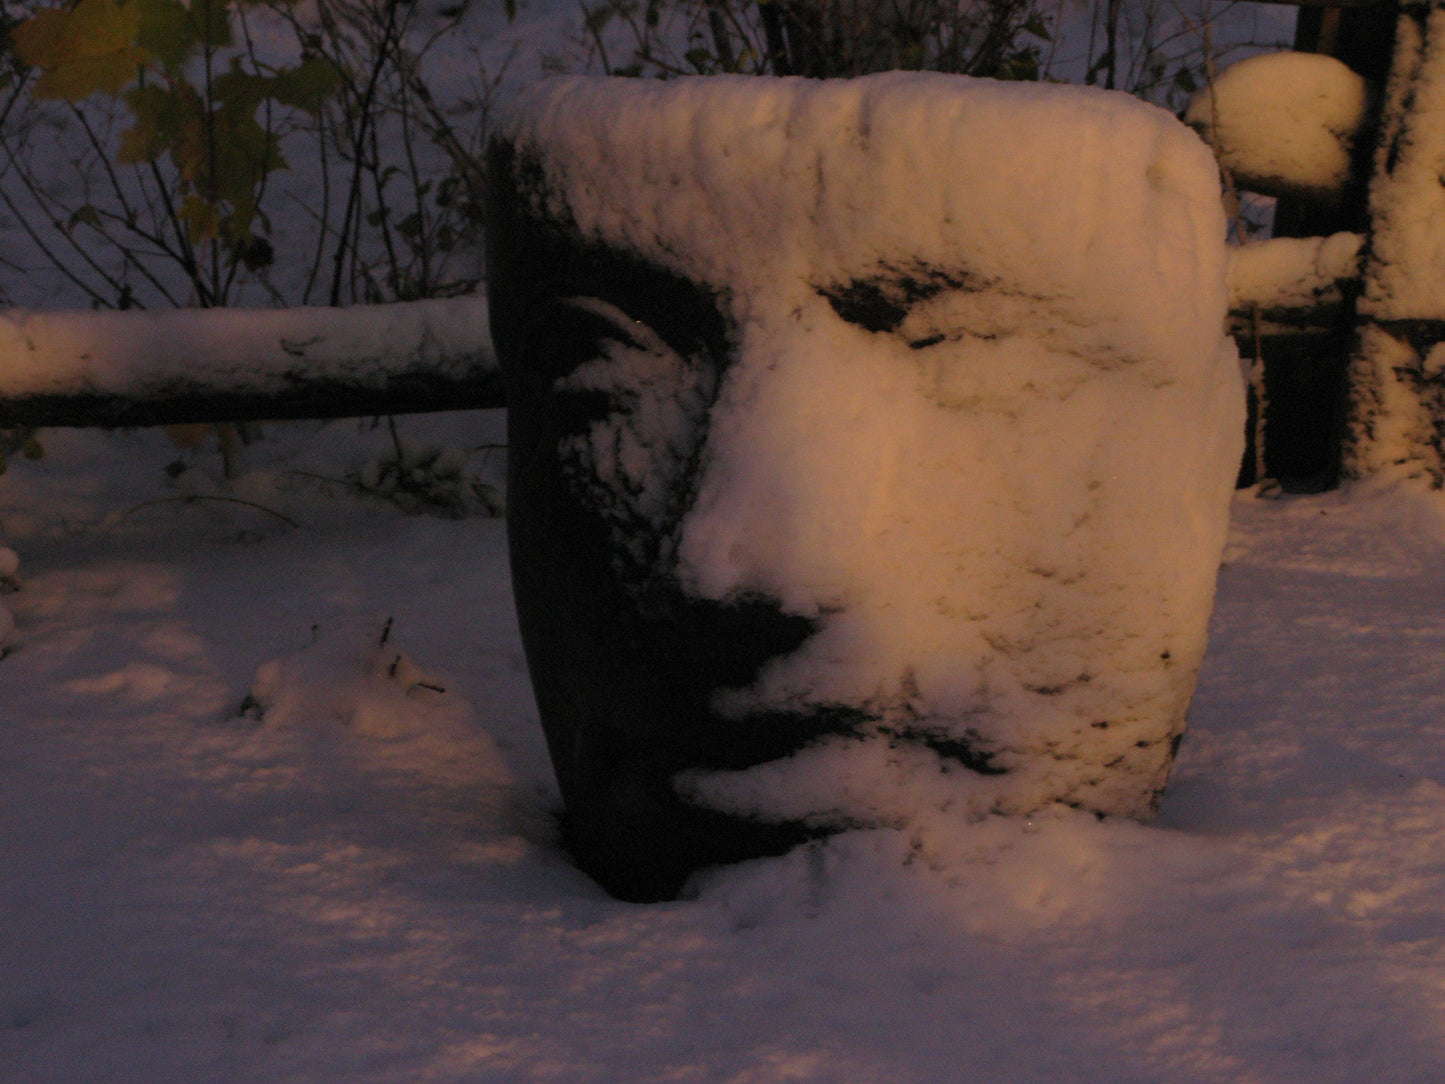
point(192, 498)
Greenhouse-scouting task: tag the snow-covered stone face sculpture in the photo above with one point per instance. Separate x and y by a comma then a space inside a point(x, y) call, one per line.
point(872, 446)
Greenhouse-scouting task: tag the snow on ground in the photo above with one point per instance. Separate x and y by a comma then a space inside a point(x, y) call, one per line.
point(274, 805)
point(356, 878)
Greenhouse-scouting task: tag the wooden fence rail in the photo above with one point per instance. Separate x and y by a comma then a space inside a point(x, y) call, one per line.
point(162, 367)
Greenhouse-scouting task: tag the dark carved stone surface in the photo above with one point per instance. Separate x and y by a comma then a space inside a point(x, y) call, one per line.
point(701, 358)
point(624, 665)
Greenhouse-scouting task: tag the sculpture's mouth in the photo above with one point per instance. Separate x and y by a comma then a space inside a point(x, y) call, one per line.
point(948, 747)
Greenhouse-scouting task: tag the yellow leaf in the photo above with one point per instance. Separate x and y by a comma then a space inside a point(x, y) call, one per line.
point(87, 49)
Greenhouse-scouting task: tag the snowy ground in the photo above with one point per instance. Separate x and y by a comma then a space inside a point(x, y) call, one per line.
point(244, 839)
point(363, 884)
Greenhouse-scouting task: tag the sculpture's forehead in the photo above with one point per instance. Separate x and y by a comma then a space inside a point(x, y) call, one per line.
point(889, 162)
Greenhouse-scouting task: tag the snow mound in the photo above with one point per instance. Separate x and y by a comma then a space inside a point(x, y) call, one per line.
point(1284, 122)
point(979, 421)
point(358, 677)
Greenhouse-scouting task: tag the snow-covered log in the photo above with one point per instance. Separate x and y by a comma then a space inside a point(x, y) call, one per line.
point(871, 443)
point(1294, 281)
point(180, 365)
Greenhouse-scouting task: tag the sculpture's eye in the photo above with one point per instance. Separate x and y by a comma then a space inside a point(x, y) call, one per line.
point(928, 307)
point(632, 359)
point(923, 306)
point(632, 452)
point(883, 300)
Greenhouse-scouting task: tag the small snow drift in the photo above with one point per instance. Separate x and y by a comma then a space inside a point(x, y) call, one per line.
point(357, 678)
point(872, 445)
point(1285, 123)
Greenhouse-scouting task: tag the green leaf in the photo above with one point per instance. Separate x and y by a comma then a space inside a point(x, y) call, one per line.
point(240, 90)
point(212, 22)
point(168, 30)
point(308, 86)
point(161, 115)
point(242, 155)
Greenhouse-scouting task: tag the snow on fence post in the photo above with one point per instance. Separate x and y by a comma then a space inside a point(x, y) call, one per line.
point(1397, 377)
point(189, 365)
point(872, 443)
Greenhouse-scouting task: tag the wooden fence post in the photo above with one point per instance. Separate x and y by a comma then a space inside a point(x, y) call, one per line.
point(1303, 390)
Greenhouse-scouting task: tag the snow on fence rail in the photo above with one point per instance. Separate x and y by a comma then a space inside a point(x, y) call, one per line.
point(190, 365)
point(193, 365)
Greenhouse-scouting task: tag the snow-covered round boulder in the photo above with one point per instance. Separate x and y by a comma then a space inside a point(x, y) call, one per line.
point(1285, 123)
point(872, 444)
